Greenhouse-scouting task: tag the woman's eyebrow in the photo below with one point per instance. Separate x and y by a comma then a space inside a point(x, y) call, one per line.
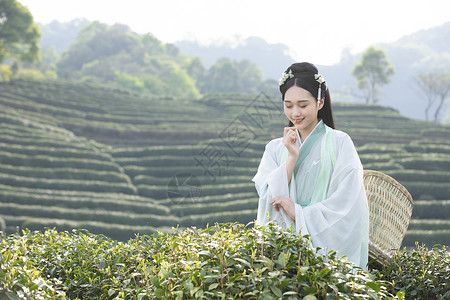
point(297, 100)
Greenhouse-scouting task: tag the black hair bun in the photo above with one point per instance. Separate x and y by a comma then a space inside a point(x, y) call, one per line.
point(303, 67)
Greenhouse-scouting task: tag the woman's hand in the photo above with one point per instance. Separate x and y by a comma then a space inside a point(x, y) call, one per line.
point(287, 204)
point(290, 141)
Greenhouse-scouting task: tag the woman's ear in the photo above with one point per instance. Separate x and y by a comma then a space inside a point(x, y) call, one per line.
point(320, 103)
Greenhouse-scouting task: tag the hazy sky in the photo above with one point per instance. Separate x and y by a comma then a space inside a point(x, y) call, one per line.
point(316, 31)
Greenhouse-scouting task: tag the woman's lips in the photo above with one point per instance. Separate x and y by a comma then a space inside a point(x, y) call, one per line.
point(296, 122)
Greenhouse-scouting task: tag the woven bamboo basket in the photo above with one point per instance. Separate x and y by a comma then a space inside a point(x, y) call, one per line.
point(390, 209)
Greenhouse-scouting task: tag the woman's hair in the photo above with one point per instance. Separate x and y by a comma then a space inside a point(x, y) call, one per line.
point(303, 77)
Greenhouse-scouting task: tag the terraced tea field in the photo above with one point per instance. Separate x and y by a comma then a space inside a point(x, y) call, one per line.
point(83, 156)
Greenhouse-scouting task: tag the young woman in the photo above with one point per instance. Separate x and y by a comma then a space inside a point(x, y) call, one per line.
point(312, 177)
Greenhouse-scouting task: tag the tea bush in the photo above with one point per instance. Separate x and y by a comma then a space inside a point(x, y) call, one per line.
point(225, 261)
point(19, 277)
point(421, 273)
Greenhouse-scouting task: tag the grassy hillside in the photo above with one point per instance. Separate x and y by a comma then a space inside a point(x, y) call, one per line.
point(78, 155)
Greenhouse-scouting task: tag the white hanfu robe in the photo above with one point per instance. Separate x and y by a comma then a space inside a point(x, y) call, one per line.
point(331, 207)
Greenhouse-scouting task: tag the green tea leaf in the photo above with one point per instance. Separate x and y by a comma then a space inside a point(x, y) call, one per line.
point(282, 259)
point(111, 292)
point(276, 291)
point(12, 296)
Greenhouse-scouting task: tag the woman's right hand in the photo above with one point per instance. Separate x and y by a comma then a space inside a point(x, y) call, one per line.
point(290, 141)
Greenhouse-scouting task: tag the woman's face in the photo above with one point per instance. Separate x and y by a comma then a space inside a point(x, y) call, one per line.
point(301, 109)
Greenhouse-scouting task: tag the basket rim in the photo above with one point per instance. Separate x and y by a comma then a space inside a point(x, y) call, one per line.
point(383, 176)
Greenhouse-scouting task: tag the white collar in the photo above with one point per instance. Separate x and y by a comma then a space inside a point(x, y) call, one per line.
point(298, 135)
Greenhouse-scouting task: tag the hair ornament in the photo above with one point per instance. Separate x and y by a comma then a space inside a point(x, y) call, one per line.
point(319, 78)
point(285, 76)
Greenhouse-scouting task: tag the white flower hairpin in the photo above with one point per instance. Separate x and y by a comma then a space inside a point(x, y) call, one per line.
point(319, 78)
point(285, 76)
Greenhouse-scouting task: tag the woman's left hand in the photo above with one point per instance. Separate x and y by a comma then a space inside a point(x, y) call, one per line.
point(287, 204)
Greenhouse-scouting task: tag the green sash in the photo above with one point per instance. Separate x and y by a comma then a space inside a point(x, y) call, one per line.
point(322, 134)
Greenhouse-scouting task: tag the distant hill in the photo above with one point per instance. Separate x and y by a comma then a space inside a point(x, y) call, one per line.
point(118, 57)
point(422, 51)
point(80, 155)
point(418, 52)
point(269, 57)
point(434, 38)
point(60, 35)
point(272, 58)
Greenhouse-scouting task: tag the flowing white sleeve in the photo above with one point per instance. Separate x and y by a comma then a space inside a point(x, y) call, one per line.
point(340, 222)
point(270, 182)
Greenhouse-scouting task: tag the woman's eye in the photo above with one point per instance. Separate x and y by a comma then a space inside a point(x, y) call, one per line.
point(303, 106)
point(288, 106)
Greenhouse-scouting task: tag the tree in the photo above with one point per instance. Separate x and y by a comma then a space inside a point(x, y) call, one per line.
point(96, 41)
point(195, 68)
point(229, 76)
point(117, 56)
point(443, 90)
point(19, 36)
point(435, 86)
point(221, 77)
point(250, 77)
point(425, 84)
point(372, 71)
